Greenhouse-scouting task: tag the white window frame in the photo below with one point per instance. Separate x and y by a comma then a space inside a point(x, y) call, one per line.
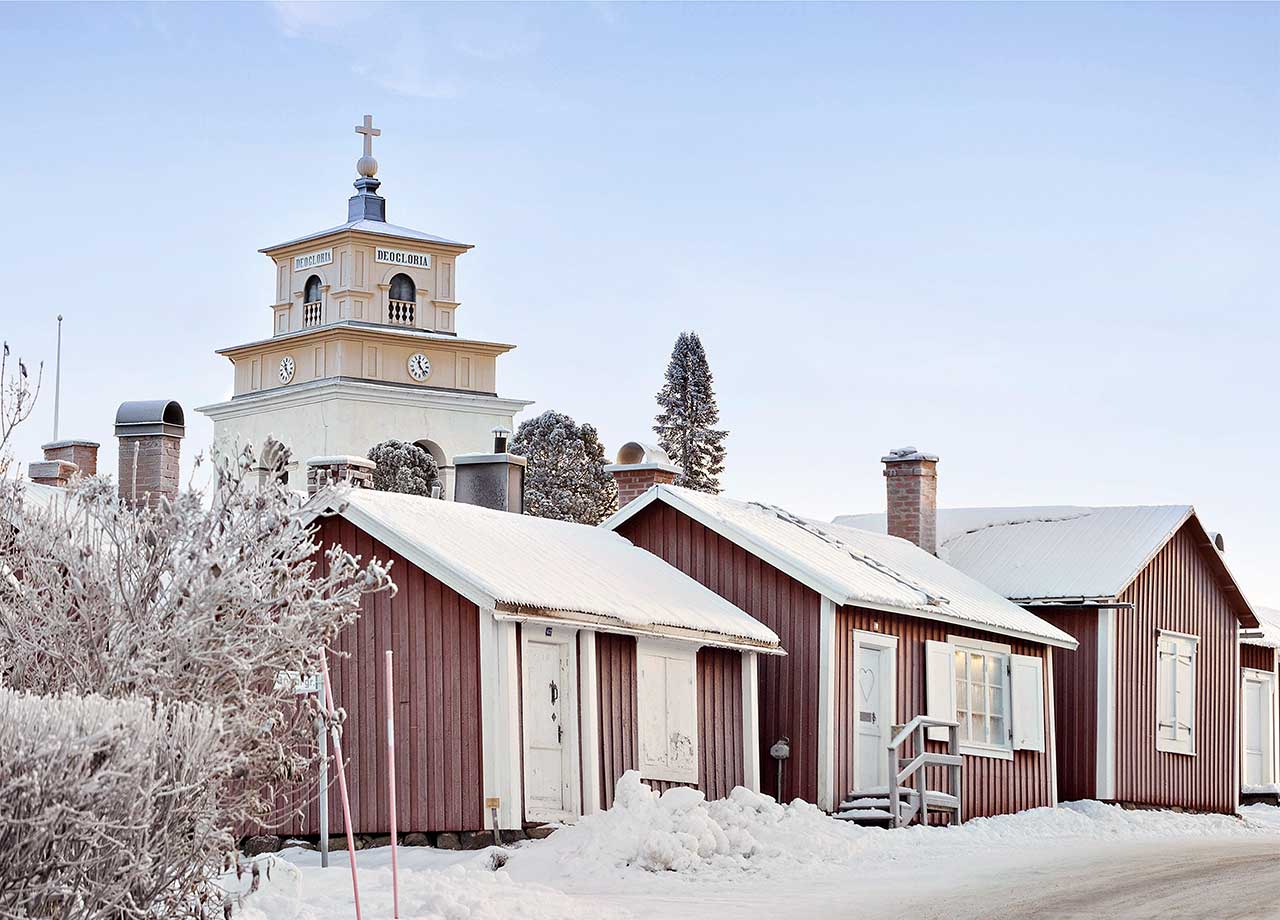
point(651, 768)
point(1185, 747)
point(983, 647)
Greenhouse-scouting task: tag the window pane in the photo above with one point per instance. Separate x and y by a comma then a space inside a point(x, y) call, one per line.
point(995, 670)
point(979, 732)
point(961, 658)
point(999, 735)
point(995, 701)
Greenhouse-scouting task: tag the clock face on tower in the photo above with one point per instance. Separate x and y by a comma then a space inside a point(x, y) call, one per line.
point(286, 369)
point(419, 366)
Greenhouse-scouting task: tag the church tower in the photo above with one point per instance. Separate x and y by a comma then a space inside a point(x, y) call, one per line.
point(364, 346)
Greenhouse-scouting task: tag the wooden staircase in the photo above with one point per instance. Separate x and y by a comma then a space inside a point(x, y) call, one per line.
point(908, 797)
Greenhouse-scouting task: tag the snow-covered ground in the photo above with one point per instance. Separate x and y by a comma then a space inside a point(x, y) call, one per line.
point(679, 856)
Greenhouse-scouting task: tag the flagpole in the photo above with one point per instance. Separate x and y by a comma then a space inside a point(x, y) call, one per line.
point(57, 381)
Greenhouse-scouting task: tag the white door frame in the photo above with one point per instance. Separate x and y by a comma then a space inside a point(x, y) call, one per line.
point(556, 635)
point(889, 687)
point(1268, 716)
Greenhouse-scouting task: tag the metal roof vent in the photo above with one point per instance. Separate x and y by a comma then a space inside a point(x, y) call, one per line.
point(149, 417)
point(638, 452)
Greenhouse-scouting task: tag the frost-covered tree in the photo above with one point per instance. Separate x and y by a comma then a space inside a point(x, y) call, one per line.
point(686, 424)
point(403, 467)
point(565, 478)
point(204, 601)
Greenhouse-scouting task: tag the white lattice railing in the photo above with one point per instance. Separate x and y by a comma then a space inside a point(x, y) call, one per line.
point(311, 314)
point(400, 312)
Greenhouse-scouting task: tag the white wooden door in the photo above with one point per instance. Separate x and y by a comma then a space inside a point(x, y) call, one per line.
point(547, 737)
point(873, 715)
point(1257, 735)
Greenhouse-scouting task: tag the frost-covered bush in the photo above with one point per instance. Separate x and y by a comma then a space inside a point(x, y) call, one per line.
point(403, 467)
point(565, 478)
point(205, 598)
point(106, 809)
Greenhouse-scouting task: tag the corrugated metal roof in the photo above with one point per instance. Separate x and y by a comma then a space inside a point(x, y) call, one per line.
point(372, 226)
point(548, 565)
point(1058, 551)
point(853, 566)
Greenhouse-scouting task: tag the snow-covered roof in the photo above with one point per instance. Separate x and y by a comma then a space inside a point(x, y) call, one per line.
point(522, 564)
point(1268, 632)
point(1053, 552)
point(854, 567)
point(377, 227)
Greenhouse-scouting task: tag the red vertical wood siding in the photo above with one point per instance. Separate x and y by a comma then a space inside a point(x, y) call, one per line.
point(434, 634)
point(788, 684)
point(719, 721)
point(719, 718)
point(991, 786)
point(1075, 693)
point(1177, 591)
point(616, 667)
point(1258, 657)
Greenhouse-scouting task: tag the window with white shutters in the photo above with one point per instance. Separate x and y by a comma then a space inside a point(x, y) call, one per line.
point(667, 698)
point(997, 697)
point(1176, 692)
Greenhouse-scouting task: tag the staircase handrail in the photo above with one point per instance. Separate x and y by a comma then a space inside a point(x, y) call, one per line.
point(926, 721)
point(917, 728)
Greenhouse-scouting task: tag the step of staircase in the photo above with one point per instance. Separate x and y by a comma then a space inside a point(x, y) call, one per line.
point(867, 816)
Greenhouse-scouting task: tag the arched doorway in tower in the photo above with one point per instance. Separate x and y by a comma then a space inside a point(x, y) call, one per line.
point(442, 461)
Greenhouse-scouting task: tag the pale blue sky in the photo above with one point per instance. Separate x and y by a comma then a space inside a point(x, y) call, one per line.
point(1039, 240)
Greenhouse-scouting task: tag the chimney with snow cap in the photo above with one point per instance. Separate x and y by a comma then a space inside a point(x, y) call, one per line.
point(357, 472)
point(493, 480)
point(638, 467)
point(911, 478)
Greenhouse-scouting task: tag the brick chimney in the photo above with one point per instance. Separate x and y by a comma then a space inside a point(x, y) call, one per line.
point(64, 460)
point(52, 472)
point(912, 481)
point(84, 454)
point(493, 480)
point(150, 434)
point(326, 471)
point(638, 467)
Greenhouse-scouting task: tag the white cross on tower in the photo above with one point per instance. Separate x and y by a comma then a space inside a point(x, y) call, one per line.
point(369, 132)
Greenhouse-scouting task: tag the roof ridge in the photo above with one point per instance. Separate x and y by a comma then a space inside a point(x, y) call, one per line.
point(931, 599)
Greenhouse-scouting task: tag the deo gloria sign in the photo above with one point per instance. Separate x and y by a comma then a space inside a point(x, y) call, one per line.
point(312, 260)
point(400, 257)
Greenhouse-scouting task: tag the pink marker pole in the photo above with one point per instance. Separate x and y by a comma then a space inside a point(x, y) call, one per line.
point(342, 783)
point(391, 788)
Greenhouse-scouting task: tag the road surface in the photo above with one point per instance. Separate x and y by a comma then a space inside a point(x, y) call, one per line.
point(1187, 879)
point(1223, 880)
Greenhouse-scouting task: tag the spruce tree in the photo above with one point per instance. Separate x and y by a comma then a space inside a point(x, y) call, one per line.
point(686, 426)
point(565, 478)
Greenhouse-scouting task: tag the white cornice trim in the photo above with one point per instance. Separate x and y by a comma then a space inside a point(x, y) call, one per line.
point(331, 389)
point(377, 330)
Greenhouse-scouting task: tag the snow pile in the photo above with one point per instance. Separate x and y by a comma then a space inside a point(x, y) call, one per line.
point(680, 831)
point(434, 885)
point(1262, 816)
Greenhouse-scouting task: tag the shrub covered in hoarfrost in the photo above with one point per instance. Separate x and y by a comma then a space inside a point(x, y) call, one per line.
point(104, 807)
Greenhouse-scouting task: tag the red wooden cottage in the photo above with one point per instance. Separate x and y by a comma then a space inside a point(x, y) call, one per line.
point(1148, 708)
point(877, 632)
point(1259, 681)
point(535, 662)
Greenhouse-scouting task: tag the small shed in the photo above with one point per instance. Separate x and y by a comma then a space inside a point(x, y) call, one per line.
point(877, 632)
point(1148, 709)
point(535, 662)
